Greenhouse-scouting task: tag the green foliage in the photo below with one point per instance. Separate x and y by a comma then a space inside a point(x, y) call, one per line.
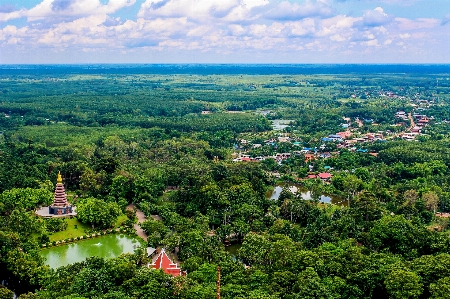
point(403, 284)
point(399, 236)
point(24, 198)
point(441, 289)
point(97, 212)
point(55, 224)
point(140, 138)
point(309, 286)
point(23, 222)
point(5, 293)
point(155, 230)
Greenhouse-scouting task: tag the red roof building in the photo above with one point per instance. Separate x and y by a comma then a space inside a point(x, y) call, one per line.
point(324, 176)
point(163, 261)
point(344, 135)
point(309, 157)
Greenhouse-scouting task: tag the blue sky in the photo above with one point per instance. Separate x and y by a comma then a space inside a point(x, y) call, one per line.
point(224, 31)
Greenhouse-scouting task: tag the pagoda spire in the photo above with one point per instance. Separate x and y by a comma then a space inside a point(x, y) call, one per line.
point(60, 198)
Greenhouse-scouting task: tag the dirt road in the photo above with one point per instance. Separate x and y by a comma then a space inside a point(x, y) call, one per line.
point(413, 124)
point(141, 218)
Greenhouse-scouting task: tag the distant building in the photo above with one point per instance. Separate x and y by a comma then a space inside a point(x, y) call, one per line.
point(334, 137)
point(344, 135)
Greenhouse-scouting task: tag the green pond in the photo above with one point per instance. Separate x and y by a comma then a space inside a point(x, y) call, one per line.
point(108, 246)
point(233, 248)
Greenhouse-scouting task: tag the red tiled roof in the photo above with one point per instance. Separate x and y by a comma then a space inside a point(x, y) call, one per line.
point(345, 134)
point(309, 157)
point(163, 261)
point(324, 175)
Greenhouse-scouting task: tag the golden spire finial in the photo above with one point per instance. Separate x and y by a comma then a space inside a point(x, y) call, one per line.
point(59, 180)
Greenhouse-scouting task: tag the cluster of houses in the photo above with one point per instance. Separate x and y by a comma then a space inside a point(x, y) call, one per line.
point(419, 121)
point(324, 176)
point(271, 142)
point(346, 142)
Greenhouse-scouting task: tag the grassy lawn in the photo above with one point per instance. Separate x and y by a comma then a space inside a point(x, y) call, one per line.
point(121, 219)
point(80, 230)
point(71, 231)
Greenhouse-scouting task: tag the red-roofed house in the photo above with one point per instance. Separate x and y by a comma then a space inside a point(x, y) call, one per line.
point(423, 122)
point(162, 261)
point(309, 157)
point(344, 135)
point(324, 176)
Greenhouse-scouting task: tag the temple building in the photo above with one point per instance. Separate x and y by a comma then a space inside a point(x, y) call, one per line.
point(163, 261)
point(60, 206)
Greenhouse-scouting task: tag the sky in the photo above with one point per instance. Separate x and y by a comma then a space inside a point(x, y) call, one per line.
point(224, 31)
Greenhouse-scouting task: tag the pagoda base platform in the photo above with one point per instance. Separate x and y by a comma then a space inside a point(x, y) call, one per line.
point(45, 212)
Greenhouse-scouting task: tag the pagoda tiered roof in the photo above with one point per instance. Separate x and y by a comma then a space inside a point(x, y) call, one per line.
point(60, 198)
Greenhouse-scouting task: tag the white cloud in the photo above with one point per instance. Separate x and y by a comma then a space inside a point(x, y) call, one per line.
point(61, 9)
point(236, 29)
point(371, 43)
point(376, 17)
point(228, 27)
point(193, 9)
point(337, 38)
point(414, 24)
point(405, 36)
point(286, 11)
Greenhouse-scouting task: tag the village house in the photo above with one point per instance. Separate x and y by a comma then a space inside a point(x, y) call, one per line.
point(408, 136)
point(416, 129)
point(344, 135)
point(283, 139)
point(423, 121)
point(325, 176)
point(401, 115)
point(335, 137)
point(309, 157)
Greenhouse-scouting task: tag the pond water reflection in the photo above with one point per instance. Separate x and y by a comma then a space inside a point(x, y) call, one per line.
point(108, 246)
point(306, 195)
point(280, 124)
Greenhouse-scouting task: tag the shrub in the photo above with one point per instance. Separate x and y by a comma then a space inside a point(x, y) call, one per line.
point(55, 224)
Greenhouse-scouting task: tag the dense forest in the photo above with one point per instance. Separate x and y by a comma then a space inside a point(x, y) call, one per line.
point(197, 146)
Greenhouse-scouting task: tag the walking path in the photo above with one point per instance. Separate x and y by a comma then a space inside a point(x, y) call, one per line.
point(141, 218)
